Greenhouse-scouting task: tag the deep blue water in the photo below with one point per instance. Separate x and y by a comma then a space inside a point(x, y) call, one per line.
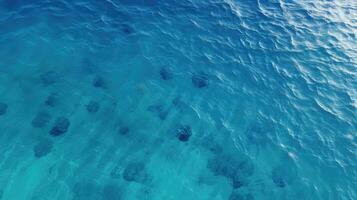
point(178, 100)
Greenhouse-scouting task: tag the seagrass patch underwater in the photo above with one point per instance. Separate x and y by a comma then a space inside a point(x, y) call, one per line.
point(178, 100)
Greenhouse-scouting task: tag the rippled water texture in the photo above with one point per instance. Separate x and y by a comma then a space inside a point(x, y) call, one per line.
point(178, 100)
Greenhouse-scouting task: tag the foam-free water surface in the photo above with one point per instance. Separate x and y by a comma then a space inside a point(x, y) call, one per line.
point(178, 100)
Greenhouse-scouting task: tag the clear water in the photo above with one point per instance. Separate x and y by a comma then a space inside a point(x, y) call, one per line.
point(181, 99)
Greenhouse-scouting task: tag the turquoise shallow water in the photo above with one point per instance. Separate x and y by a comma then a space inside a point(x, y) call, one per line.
point(188, 100)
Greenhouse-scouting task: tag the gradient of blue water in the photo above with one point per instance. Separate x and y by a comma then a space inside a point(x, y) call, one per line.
point(280, 106)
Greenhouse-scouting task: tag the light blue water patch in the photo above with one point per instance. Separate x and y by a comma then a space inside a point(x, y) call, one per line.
point(189, 100)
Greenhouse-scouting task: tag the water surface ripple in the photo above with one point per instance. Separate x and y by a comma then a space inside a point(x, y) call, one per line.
point(179, 99)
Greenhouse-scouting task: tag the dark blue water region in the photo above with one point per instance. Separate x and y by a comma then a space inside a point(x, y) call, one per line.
point(186, 100)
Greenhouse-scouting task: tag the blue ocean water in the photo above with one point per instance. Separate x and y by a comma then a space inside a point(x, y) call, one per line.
point(178, 100)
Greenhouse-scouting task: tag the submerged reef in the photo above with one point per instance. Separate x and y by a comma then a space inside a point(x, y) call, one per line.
point(200, 80)
point(210, 144)
point(60, 127)
point(3, 108)
point(88, 66)
point(237, 170)
point(85, 190)
point(99, 82)
point(278, 180)
point(258, 132)
point(124, 130)
point(49, 78)
point(177, 101)
point(111, 192)
point(166, 73)
point(183, 133)
point(115, 172)
point(155, 108)
point(163, 114)
point(92, 106)
point(41, 119)
point(282, 176)
point(237, 195)
point(160, 110)
point(42, 148)
point(51, 100)
point(135, 172)
point(127, 29)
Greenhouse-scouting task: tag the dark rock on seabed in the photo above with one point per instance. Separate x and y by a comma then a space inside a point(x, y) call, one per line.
point(200, 80)
point(60, 127)
point(42, 148)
